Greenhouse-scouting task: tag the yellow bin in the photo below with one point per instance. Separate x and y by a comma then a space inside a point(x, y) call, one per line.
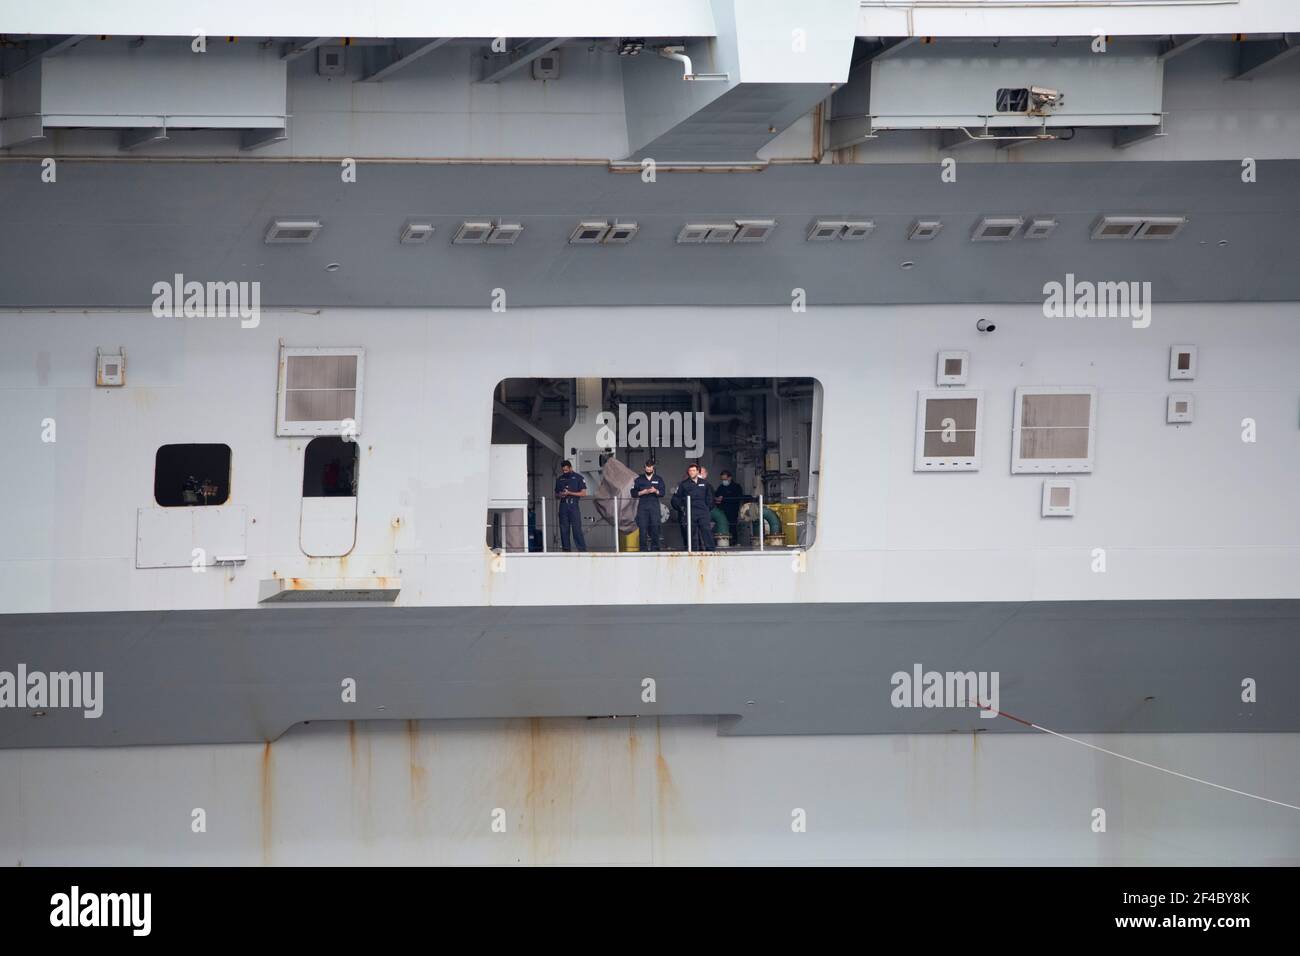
point(790, 513)
point(631, 541)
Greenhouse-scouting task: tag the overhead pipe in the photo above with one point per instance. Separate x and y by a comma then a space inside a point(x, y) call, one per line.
point(699, 392)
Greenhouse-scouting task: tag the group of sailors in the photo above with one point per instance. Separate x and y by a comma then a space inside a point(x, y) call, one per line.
point(693, 497)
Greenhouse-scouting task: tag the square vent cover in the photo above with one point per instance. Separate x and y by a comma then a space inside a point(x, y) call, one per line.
point(1182, 362)
point(1180, 409)
point(416, 232)
point(292, 230)
point(924, 230)
point(996, 229)
point(952, 368)
point(695, 232)
point(588, 233)
point(1039, 228)
point(1058, 498)
point(110, 368)
point(754, 230)
point(1161, 227)
point(547, 66)
point(826, 230)
point(472, 233)
point(621, 232)
point(331, 61)
point(1116, 227)
point(505, 234)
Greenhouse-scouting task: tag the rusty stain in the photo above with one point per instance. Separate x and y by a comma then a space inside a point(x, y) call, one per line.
point(665, 790)
point(419, 774)
point(267, 805)
point(361, 780)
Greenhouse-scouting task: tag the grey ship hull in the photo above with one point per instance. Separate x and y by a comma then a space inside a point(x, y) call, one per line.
point(185, 677)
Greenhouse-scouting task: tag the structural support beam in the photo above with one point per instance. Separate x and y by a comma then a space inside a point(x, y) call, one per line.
point(527, 427)
point(135, 138)
point(1176, 46)
point(407, 60)
point(950, 139)
point(61, 46)
point(1126, 136)
point(521, 57)
point(257, 138)
point(1257, 55)
point(293, 51)
point(882, 51)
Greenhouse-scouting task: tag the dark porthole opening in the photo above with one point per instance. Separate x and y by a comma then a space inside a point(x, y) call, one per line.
point(191, 476)
point(330, 468)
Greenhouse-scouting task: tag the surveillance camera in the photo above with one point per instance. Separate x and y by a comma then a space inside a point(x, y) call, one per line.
point(984, 325)
point(1042, 96)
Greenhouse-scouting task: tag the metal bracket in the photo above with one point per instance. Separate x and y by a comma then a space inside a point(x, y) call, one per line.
point(678, 53)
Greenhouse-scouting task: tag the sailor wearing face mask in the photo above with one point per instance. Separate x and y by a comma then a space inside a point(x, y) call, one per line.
point(729, 497)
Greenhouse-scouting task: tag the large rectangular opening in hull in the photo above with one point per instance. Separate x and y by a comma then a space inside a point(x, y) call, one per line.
point(636, 465)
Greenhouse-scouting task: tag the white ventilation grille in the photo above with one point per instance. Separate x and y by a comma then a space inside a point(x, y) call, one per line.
point(741, 230)
point(621, 232)
point(850, 230)
point(472, 233)
point(1040, 228)
point(1058, 498)
point(754, 230)
point(948, 430)
point(1161, 227)
point(826, 230)
point(416, 232)
point(110, 368)
point(588, 233)
point(320, 391)
point(292, 230)
point(695, 232)
point(952, 368)
point(1179, 409)
point(505, 234)
point(1182, 362)
point(1138, 227)
point(996, 229)
point(1116, 227)
point(1054, 430)
point(923, 230)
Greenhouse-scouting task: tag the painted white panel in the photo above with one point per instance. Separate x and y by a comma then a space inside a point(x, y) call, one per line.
point(167, 537)
point(507, 475)
point(329, 526)
point(883, 533)
point(345, 18)
point(238, 86)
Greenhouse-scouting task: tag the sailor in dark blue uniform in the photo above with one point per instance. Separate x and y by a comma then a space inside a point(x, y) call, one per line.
point(569, 487)
point(648, 489)
point(697, 491)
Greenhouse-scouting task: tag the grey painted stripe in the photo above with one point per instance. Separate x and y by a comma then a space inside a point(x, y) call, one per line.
point(143, 222)
point(248, 675)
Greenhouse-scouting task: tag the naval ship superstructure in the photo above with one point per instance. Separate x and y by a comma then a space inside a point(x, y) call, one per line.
point(988, 311)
